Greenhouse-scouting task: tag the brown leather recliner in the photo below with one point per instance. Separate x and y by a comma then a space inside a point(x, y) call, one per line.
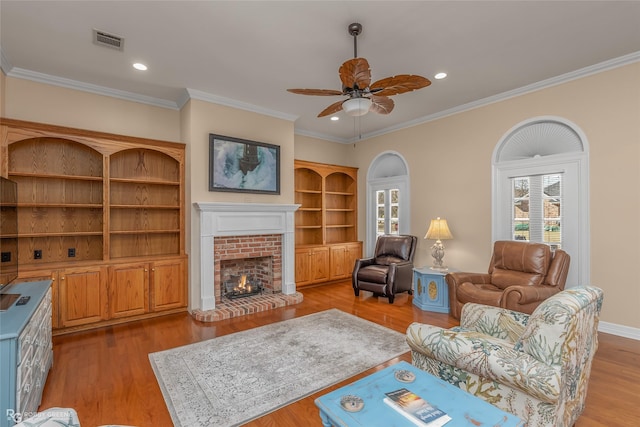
point(521, 276)
point(390, 270)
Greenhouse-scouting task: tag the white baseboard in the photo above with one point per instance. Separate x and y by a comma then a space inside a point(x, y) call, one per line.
point(620, 330)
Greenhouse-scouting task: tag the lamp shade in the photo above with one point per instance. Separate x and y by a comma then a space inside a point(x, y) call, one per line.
point(356, 106)
point(438, 230)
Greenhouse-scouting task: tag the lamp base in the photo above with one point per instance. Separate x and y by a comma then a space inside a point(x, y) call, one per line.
point(437, 252)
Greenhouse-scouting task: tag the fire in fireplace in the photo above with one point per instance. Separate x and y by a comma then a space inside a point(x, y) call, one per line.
point(240, 286)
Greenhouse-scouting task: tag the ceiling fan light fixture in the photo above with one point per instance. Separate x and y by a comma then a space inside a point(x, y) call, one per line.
point(356, 106)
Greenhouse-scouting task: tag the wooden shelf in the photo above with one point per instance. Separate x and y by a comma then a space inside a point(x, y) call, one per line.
point(60, 205)
point(145, 232)
point(174, 207)
point(326, 222)
point(339, 193)
point(144, 181)
point(115, 203)
point(55, 176)
point(61, 234)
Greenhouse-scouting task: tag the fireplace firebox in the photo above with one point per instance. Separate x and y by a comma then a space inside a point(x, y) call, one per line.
point(241, 286)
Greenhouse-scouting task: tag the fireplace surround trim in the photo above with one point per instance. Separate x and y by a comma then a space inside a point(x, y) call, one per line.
point(244, 219)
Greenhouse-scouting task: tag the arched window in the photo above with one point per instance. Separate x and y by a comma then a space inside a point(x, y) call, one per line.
point(387, 197)
point(541, 188)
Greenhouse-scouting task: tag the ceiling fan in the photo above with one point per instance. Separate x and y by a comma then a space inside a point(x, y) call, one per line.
point(364, 96)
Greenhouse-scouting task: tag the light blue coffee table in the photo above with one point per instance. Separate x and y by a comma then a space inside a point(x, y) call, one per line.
point(463, 408)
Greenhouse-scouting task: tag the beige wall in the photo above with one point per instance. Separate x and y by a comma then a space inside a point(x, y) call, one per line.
point(450, 168)
point(199, 119)
point(449, 162)
point(42, 103)
point(2, 93)
point(322, 151)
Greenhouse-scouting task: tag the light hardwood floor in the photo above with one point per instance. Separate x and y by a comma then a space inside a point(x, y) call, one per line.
point(106, 376)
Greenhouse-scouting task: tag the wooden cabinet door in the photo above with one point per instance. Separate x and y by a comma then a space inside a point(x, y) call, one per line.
point(168, 285)
point(337, 262)
point(320, 264)
point(82, 296)
point(342, 259)
point(303, 267)
point(353, 253)
point(312, 265)
point(128, 290)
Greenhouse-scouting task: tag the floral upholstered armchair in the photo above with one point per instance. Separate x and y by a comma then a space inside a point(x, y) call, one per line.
point(534, 366)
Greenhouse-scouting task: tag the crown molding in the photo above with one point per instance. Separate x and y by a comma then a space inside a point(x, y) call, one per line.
point(91, 88)
point(543, 84)
point(10, 71)
point(220, 100)
point(321, 136)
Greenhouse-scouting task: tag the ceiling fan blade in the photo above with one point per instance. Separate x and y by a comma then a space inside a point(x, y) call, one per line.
point(381, 104)
point(355, 72)
point(399, 84)
point(333, 108)
point(318, 92)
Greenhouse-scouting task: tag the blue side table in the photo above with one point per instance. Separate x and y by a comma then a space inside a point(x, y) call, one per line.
point(430, 291)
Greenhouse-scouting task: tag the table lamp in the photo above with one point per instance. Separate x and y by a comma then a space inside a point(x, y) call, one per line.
point(438, 230)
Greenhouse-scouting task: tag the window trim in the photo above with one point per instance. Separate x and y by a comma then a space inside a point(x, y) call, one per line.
point(575, 167)
point(402, 183)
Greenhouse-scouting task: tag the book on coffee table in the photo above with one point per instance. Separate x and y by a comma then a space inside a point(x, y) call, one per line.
point(416, 409)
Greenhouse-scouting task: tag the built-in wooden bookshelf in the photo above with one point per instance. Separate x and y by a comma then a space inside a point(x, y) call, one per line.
point(102, 215)
point(326, 222)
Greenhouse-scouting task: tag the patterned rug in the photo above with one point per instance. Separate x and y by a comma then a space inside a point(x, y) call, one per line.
point(230, 380)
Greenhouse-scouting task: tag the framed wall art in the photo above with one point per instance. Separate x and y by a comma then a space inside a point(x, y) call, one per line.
point(243, 166)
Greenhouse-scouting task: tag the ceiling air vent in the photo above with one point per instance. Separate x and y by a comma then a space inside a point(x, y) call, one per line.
point(109, 40)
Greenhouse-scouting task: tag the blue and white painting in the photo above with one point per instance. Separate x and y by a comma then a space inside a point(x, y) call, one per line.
point(243, 166)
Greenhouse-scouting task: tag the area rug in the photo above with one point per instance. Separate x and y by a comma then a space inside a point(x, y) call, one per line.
point(230, 380)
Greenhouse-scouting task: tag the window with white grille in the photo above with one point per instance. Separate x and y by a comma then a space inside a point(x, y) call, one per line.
point(537, 209)
point(388, 211)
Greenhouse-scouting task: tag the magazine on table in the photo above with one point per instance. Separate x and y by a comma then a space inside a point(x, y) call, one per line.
point(416, 409)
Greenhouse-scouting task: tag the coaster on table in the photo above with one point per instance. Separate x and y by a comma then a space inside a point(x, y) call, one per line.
point(351, 403)
point(405, 376)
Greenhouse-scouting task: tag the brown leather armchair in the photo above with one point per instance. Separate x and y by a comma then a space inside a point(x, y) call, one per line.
point(390, 270)
point(521, 275)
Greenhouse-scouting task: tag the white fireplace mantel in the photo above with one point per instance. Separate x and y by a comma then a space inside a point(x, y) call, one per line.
point(244, 219)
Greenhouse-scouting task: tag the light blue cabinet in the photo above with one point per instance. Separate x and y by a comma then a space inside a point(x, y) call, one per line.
point(26, 351)
point(430, 290)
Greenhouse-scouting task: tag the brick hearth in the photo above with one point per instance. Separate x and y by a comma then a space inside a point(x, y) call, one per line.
point(241, 306)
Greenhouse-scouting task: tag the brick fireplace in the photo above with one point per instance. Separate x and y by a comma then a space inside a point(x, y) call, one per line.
point(259, 256)
point(233, 231)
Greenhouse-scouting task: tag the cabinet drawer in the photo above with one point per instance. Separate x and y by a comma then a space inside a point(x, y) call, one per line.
point(24, 385)
point(25, 342)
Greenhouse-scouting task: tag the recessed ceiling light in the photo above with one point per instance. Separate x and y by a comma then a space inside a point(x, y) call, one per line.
point(335, 118)
point(440, 76)
point(140, 66)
